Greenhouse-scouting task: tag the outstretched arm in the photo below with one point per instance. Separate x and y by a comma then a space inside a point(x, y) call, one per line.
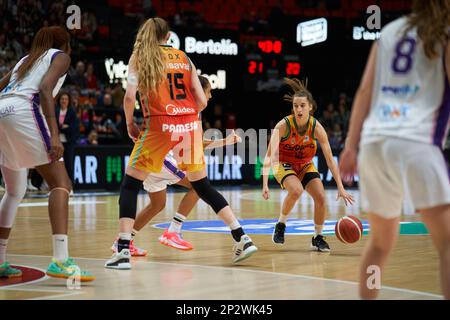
point(322, 137)
point(233, 138)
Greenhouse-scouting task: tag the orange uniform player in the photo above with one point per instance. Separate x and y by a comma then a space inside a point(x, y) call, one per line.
point(170, 119)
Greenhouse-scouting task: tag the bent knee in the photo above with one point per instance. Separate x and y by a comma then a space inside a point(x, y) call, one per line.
point(295, 193)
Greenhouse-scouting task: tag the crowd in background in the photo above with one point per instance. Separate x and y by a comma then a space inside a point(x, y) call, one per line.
point(89, 110)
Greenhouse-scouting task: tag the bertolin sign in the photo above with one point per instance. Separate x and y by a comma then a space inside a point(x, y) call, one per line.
point(211, 46)
point(312, 31)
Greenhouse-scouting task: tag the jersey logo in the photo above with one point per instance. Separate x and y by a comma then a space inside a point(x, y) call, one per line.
point(173, 110)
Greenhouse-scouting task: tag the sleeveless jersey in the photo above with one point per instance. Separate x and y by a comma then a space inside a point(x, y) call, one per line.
point(173, 102)
point(411, 93)
point(28, 87)
point(297, 149)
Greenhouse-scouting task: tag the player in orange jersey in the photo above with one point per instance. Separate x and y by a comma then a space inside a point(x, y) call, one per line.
point(172, 97)
point(156, 185)
point(292, 148)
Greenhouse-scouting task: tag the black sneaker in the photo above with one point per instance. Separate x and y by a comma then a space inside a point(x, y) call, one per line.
point(318, 243)
point(278, 233)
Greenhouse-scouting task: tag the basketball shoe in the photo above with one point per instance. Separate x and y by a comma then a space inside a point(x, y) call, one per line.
point(134, 251)
point(243, 249)
point(174, 240)
point(119, 260)
point(278, 233)
point(6, 271)
point(66, 269)
point(318, 243)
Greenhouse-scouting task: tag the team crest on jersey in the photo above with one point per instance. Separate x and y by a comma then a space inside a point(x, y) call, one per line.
point(306, 139)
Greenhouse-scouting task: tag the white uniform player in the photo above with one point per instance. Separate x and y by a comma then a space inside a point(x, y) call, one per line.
point(400, 149)
point(170, 174)
point(24, 134)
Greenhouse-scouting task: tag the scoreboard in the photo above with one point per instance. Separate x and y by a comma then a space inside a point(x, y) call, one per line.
point(267, 60)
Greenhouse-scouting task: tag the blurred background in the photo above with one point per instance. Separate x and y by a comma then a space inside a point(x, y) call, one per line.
point(244, 47)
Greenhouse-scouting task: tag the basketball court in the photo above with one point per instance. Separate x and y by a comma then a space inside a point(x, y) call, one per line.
point(275, 272)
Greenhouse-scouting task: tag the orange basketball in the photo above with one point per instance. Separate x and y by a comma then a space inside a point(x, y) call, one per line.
point(348, 229)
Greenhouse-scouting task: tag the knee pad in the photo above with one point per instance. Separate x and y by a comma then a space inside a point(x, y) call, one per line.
point(210, 195)
point(129, 191)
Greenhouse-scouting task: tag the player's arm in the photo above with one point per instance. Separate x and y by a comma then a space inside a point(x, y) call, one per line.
point(197, 90)
point(129, 100)
point(5, 80)
point(58, 68)
point(271, 158)
point(233, 138)
point(322, 138)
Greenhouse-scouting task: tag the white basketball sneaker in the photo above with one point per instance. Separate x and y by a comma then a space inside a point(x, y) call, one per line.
point(243, 249)
point(119, 260)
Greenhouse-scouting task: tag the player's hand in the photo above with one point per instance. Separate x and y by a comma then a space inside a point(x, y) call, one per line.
point(347, 197)
point(133, 131)
point(232, 138)
point(265, 192)
point(56, 148)
point(348, 165)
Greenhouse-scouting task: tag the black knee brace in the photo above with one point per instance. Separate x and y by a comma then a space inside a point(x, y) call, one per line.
point(129, 191)
point(210, 195)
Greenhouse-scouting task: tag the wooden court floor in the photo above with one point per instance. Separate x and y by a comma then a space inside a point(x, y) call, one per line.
point(290, 271)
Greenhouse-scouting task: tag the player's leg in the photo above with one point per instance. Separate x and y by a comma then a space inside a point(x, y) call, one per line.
point(381, 187)
point(244, 247)
point(292, 184)
point(382, 237)
point(437, 220)
point(62, 266)
point(15, 188)
point(147, 156)
point(314, 186)
point(172, 236)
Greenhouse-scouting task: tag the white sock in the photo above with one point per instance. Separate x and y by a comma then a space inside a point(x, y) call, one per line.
point(60, 247)
point(177, 223)
point(318, 229)
point(3, 245)
point(282, 218)
point(125, 236)
point(235, 225)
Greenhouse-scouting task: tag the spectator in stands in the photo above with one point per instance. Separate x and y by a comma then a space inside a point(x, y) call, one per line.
point(108, 101)
point(117, 94)
point(69, 129)
point(79, 78)
point(93, 138)
point(91, 79)
point(343, 117)
point(329, 117)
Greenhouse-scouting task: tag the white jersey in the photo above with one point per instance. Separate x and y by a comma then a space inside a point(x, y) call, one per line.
point(24, 134)
point(411, 93)
point(28, 87)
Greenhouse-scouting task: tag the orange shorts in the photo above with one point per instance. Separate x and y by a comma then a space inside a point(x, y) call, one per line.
point(185, 138)
point(283, 170)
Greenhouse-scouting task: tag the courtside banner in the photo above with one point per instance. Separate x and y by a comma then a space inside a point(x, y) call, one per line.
point(103, 167)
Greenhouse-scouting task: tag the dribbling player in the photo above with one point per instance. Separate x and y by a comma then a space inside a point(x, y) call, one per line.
point(399, 120)
point(291, 151)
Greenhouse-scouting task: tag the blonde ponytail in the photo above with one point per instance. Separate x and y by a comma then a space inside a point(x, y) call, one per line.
point(148, 57)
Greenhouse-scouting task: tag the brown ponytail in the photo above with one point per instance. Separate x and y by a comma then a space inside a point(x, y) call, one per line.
point(46, 38)
point(432, 19)
point(299, 89)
